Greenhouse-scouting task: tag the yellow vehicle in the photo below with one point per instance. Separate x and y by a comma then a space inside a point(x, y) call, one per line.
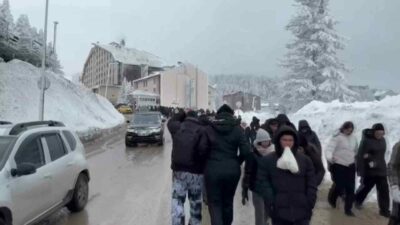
point(124, 109)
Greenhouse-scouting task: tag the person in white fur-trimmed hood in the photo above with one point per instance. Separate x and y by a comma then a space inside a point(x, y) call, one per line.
point(287, 182)
point(341, 154)
point(262, 146)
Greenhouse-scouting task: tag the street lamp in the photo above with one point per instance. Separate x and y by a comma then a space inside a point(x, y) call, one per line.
point(42, 79)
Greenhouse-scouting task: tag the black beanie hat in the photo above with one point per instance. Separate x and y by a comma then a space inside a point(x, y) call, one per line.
point(378, 126)
point(225, 109)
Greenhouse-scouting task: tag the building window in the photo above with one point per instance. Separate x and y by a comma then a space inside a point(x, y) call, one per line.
point(136, 86)
point(145, 83)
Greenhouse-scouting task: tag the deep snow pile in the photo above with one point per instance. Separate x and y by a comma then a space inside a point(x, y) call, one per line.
point(77, 107)
point(326, 118)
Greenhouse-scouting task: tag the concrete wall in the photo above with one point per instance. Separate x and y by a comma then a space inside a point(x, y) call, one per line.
point(185, 86)
point(113, 93)
point(151, 84)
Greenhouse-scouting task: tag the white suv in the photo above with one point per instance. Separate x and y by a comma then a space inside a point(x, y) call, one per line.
point(42, 169)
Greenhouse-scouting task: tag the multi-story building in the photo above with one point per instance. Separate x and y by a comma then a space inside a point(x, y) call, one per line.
point(243, 101)
point(108, 65)
point(184, 86)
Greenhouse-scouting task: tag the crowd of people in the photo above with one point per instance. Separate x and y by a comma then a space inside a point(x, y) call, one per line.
point(283, 168)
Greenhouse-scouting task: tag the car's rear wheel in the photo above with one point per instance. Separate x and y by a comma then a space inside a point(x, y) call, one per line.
point(81, 194)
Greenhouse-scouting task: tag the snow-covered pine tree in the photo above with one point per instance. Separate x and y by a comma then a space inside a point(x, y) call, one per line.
point(52, 61)
point(24, 31)
point(125, 96)
point(312, 55)
point(5, 13)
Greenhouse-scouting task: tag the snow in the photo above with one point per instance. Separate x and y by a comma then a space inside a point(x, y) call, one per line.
point(133, 56)
point(74, 105)
point(326, 119)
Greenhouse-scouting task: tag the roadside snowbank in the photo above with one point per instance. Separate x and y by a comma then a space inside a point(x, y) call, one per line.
point(77, 107)
point(326, 118)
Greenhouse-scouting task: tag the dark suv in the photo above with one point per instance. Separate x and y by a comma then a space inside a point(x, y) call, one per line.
point(145, 127)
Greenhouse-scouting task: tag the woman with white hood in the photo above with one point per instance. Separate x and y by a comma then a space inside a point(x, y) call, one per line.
point(286, 180)
point(262, 146)
point(341, 155)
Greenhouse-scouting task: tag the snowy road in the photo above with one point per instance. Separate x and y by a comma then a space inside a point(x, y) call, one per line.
point(131, 186)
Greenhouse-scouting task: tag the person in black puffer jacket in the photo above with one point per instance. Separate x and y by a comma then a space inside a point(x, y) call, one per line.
point(189, 151)
point(311, 151)
point(222, 171)
point(254, 126)
point(291, 193)
point(262, 146)
point(372, 168)
point(312, 138)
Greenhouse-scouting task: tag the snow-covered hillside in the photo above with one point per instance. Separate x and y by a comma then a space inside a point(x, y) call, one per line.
point(76, 106)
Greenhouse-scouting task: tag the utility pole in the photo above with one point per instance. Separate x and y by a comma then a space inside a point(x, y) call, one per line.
point(55, 37)
point(42, 79)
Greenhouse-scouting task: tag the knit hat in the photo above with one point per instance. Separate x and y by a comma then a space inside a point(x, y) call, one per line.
point(225, 109)
point(378, 126)
point(262, 135)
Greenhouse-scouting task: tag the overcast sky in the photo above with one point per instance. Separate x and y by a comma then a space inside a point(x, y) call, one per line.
point(222, 36)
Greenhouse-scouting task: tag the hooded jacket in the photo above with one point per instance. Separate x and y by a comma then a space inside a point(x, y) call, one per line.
point(292, 196)
point(226, 137)
point(266, 126)
point(371, 155)
point(310, 135)
point(283, 120)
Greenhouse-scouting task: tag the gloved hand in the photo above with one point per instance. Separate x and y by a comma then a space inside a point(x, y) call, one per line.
point(395, 193)
point(245, 196)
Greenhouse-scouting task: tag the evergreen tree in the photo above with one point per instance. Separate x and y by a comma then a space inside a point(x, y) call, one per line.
point(5, 13)
point(312, 56)
point(24, 32)
point(313, 53)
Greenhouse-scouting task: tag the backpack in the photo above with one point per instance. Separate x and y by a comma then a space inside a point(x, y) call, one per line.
point(185, 143)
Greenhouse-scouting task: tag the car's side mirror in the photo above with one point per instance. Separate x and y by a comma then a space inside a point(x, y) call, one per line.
point(23, 169)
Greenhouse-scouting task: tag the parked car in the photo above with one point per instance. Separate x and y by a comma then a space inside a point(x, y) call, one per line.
point(42, 169)
point(125, 109)
point(145, 127)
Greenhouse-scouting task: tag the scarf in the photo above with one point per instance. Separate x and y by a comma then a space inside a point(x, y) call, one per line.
point(265, 151)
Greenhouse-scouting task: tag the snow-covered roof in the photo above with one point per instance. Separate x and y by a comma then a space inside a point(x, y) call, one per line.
point(148, 77)
point(132, 56)
point(143, 93)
